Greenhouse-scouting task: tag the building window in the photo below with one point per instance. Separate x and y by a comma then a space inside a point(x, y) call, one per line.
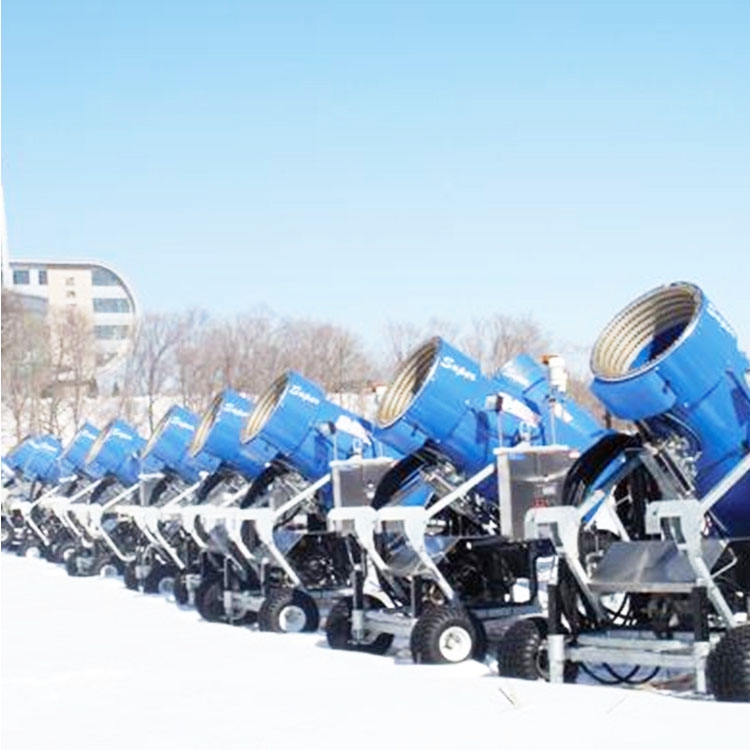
point(111, 305)
point(70, 294)
point(43, 276)
point(103, 277)
point(21, 277)
point(70, 281)
point(111, 332)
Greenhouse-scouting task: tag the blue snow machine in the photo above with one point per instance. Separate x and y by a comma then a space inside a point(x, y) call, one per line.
point(106, 535)
point(652, 568)
point(30, 469)
point(162, 553)
point(442, 535)
point(203, 522)
point(283, 562)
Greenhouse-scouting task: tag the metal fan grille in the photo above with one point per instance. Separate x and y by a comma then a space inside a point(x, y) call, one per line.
point(643, 325)
point(409, 380)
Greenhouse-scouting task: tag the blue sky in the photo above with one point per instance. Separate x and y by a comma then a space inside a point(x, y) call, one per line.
point(359, 162)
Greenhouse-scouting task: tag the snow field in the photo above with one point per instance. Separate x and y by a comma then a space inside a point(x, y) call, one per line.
point(87, 664)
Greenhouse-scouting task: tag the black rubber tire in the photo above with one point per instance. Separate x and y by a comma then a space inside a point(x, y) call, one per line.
point(156, 575)
point(426, 636)
point(102, 563)
point(181, 593)
point(6, 538)
point(129, 576)
point(25, 549)
point(270, 616)
point(481, 643)
point(71, 565)
point(209, 600)
point(728, 667)
point(339, 629)
point(62, 551)
point(521, 653)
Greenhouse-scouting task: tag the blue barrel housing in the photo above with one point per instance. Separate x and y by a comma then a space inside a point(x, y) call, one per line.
point(170, 444)
point(73, 458)
point(671, 362)
point(440, 396)
point(219, 435)
point(562, 420)
point(19, 453)
point(116, 453)
point(307, 429)
point(37, 459)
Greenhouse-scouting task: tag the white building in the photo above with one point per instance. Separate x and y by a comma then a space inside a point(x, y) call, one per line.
point(93, 288)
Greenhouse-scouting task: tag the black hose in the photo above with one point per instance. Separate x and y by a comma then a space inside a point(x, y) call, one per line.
point(618, 679)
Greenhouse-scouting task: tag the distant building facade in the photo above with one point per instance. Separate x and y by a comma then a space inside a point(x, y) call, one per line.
point(92, 288)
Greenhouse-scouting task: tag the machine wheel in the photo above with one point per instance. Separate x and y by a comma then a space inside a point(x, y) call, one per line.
point(6, 533)
point(180, 590)
point(288, 611)
point(71, 565)
point(131, 579)
point(209, 600)
point(444, 635)
point(160, 580)
point(62, 551)
point(728, 667)
point(521, 652)
point(106, 568)
point(339, 629)
point(30, 548)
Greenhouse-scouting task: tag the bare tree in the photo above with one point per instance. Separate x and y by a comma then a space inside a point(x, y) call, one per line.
point(72, 338)
point(193, 365)
point(325, 353)
point(494, 341)
point(26, 367)
point(403, 338)
point(259, 340)
point(151, 366)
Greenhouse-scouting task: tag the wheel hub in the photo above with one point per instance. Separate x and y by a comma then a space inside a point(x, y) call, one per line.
point(455, 644)
point(108, 570)
point(292, 619)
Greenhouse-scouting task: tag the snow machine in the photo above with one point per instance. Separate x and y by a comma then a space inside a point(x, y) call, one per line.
point(207, 543)
point(29, 469)
point(653, 540)
point(162, 552)
point(57, 479)
point(106, 536)
point(444, 526)
point(290, 562)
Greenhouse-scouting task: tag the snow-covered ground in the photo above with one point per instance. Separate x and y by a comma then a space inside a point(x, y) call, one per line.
point(88, 664)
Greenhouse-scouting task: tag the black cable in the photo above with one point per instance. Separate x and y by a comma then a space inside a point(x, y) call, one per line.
point(619, 679)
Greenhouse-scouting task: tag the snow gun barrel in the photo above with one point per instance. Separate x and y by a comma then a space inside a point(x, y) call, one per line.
point(116, 452)
point(307, 429)
point(219, 435)
point(440, 396)
point(37, 459)
point(15, 458)
point(73, 458)
point(170, 443)
point(670, 362)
